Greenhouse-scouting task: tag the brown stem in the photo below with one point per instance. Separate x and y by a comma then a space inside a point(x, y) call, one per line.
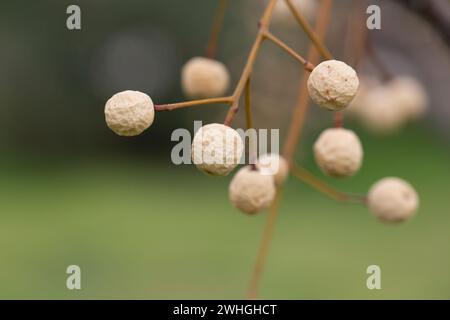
point(321, 186)
point(219, 18)
point(339, 119)
point(263, 26)
point(296, 126)
point(307, 65)
point(377, 61)
point(264, 247)
point(301, 108)
point(248, 105)
point(315, 38)
point(173, 106)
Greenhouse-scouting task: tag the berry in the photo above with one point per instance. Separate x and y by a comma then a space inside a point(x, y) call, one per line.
point(217, 149)
point(410, 96)
point(274, 165)
point(204, 78)
point(129, 113)
point(338, 152)
point(392, 200)
point(250, 191)
point(381, 114)
point(333, 84)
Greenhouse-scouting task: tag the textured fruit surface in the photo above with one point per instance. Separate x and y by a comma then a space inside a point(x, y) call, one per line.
point(392, 200)
point(204, 78)
point(217, 149)
point(338, 152)
point(274, 165)
point(129, 113)
point(333, 85)
point(250, 191)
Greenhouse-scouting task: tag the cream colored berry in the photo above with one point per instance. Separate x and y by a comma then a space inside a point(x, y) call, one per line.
point(338, 152)
point(204, 78)
point(217, 149)
point(250, 191)
point(410, 96)
point(333, 85)
point(381, 114)
point(358, 104)
point(129, 113)
point(283, 15)
point(392, 200)
point(274, 165)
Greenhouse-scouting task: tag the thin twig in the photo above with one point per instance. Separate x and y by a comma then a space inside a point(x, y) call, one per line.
point(264, 247)
point(294, 131)
point(185, 104)
point(306, 64)
point(219, 18)
point(321, 186)
point(248, 105)
point(301, 108)
point(303, 22)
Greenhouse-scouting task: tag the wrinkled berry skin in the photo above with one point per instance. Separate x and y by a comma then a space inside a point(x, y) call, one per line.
point(250, 191)
point(332, 85)
point(338, 152)
point(392, 200)
point(129, 113)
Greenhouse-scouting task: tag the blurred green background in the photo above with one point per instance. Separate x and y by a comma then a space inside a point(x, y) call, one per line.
point(71, 192)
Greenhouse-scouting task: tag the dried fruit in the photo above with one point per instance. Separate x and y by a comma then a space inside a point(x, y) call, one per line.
point(217, 149)
point(381, 114)
point(274, 165)
point(338, 152)
point(204, 78)
point(410, 96)
point(250, 191)
point(333, 84)
point(129, 113)
point(392, 200)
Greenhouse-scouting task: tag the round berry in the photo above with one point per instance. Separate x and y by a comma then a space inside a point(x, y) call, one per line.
point(250, 191)
point(392, 200)
point(217, 149)
point(129, 113)
point(381, 114)
point(333, 84)
point(274, 165)
point(204, 78)
point(410, 96)
point(338, 152)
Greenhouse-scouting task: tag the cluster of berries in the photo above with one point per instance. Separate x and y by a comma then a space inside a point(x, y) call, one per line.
point(217, 148)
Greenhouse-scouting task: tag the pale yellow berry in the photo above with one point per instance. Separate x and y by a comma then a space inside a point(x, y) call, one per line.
point(283, 15)
point(204, 78)
point(217, 149)
point(129, 113)
point(274, 165)
point(392, 200)
point(333, 85)
point(410, 96)
point(250, 191)
point(338, 152)
point(381, 114)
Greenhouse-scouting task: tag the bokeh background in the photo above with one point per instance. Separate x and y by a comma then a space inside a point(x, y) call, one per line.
point(72, 192)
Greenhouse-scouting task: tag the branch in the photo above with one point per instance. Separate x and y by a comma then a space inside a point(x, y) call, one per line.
point(173, 106)
point(307, 65)
point(321, 186)
point(216, 28)
point(304, 24)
